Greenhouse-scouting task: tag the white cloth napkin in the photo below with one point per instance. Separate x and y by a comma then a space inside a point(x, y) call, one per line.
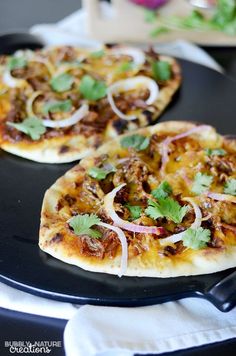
point(108, 331)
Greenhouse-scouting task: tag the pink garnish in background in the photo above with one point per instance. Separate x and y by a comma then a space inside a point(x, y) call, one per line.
point(150, 4)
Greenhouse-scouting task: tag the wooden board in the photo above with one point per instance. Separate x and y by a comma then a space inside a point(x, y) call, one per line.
point(125, 23)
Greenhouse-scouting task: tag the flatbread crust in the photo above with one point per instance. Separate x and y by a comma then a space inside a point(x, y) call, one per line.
point(79, 140)
point(57, 239)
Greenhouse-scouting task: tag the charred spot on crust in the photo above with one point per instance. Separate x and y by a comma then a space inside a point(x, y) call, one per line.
point(64, 149)
point(57, 238)
point(69, 199)
point(148, 115)
point(120, 125)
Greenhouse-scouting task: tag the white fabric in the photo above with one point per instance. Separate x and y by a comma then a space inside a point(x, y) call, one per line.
point(171, 326)
point(106, 331)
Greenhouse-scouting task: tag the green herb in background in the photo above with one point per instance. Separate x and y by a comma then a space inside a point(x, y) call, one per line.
point(16, 63)
point(57, 106)
point(92, 89)
point(98, 54)
point(150, 15)
point(161, 70)
point(62, 82)
point(223, 19)
point(158, 31)
point(125, 67)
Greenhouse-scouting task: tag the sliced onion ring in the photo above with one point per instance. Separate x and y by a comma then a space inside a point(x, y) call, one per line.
point(168, 140)
point(72, 120)
point(195, 225)
point(222, 197)
point(130, 84)
point(137, 54)
point(30, 102)
point(124, 246)
point(126, 225)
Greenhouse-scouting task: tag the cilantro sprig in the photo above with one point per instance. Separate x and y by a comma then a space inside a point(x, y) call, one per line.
point(135, 211)
point(201, 183)
point(16, 63)
point(125, 67)
point(82, 225)
point(215, 152)
point(55, 106)
point(62, 82)
point(97, 54)
point(230, 186)
point(31, 126)
point(138, 142)
point(100, 173)
point(168, 208)
point(161, 70)
point(196, 238)
point(162, 191)
point(92, 89)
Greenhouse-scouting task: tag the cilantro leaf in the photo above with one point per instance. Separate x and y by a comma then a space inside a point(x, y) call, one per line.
point(125, 67)
point(162, 191)
point(92, 89)
point(16, 63)
point(138, 142)
point(62, 82)
point(215, 152)
point(230, 186)
point(100, 173)
point(57, 106)
point(150, 15)
point(201, 183)
point(97, 54)
point(168, 208)
point(161, 70)
point(81, 224)
point(196, 238)
point(31, 126)
point(135, 211)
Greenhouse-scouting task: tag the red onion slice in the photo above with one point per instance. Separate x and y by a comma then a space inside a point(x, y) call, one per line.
point(195, 225)
point(72, 120)
point(222, 197)
point(126, 225)
point(130, 84)
point(124, 246)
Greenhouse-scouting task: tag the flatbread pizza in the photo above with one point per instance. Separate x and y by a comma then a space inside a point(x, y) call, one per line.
point(59, 104)
point(158, 202)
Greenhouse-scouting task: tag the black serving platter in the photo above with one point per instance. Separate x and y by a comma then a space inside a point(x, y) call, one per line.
point(205, 96)
point(11, 42)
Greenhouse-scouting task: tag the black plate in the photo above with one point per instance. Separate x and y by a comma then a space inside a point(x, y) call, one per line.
point(205, 96)
point(10, 42)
